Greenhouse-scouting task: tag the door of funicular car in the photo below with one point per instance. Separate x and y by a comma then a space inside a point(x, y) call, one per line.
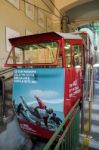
point(47, 79)
point(74, 51)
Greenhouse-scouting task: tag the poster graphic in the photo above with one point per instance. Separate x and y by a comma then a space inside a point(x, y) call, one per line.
point(38, 96)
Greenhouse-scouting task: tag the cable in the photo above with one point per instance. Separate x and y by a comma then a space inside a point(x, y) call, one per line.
point(46, 5)
point(62, 15)
point(41, 8)
point(56, 8)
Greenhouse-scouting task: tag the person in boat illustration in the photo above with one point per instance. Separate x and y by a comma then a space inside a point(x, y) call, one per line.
point(43, 114)
point(40, 111)
point(41, 104)
point(20, 109)
point(21, 112)
point(56, 119)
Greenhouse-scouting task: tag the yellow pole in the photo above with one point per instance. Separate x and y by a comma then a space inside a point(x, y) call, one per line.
point(87, 126)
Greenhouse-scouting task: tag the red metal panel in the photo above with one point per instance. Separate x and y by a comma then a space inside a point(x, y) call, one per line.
point(72, 90)
point(44, 37)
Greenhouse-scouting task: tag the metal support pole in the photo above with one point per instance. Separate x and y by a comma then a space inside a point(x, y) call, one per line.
point(87, 137)
point(1, 100)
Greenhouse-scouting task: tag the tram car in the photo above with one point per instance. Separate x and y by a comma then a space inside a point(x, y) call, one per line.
point(48, 79)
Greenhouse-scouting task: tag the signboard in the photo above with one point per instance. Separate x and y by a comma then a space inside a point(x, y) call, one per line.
point(38, 96)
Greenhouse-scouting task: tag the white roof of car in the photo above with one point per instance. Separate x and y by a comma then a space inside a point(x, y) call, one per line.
point(69, 35)
point(96, 65)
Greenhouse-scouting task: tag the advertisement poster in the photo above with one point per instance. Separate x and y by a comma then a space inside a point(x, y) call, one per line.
point(38, 96)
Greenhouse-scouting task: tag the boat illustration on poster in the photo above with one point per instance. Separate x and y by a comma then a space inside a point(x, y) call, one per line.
point(38, 104)
point(42, 116)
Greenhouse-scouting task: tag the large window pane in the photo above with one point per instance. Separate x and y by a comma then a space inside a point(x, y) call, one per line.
point(34, 54)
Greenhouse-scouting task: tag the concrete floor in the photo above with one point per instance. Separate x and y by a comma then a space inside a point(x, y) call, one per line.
point(13, 138)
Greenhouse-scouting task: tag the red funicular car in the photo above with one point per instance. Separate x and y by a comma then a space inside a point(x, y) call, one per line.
point(47, 79)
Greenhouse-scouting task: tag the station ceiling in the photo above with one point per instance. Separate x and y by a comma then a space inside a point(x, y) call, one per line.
point(78, 11)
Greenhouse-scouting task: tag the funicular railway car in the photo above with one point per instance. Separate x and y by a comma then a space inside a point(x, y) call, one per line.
point(47, 79)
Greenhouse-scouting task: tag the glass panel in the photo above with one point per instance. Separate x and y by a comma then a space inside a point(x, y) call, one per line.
point(68, 55)
point(84, 37)
point(77, 55)
point(16, 56)
point(34, 54)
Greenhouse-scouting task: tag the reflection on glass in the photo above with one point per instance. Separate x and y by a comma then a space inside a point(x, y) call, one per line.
point(34, 53)
point(77, 55)
point(68, 55)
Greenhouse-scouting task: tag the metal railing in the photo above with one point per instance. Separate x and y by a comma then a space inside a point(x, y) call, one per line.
point(70, 135)
point(88, 112)
point(7, 73)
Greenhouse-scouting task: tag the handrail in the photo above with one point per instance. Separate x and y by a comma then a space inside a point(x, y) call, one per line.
point(90, 99)
point(87, 125)
point(5, 71)
point(54, 136)
point(65, 131)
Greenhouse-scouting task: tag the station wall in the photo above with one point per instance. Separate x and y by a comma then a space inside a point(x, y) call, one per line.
point(18, 18)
